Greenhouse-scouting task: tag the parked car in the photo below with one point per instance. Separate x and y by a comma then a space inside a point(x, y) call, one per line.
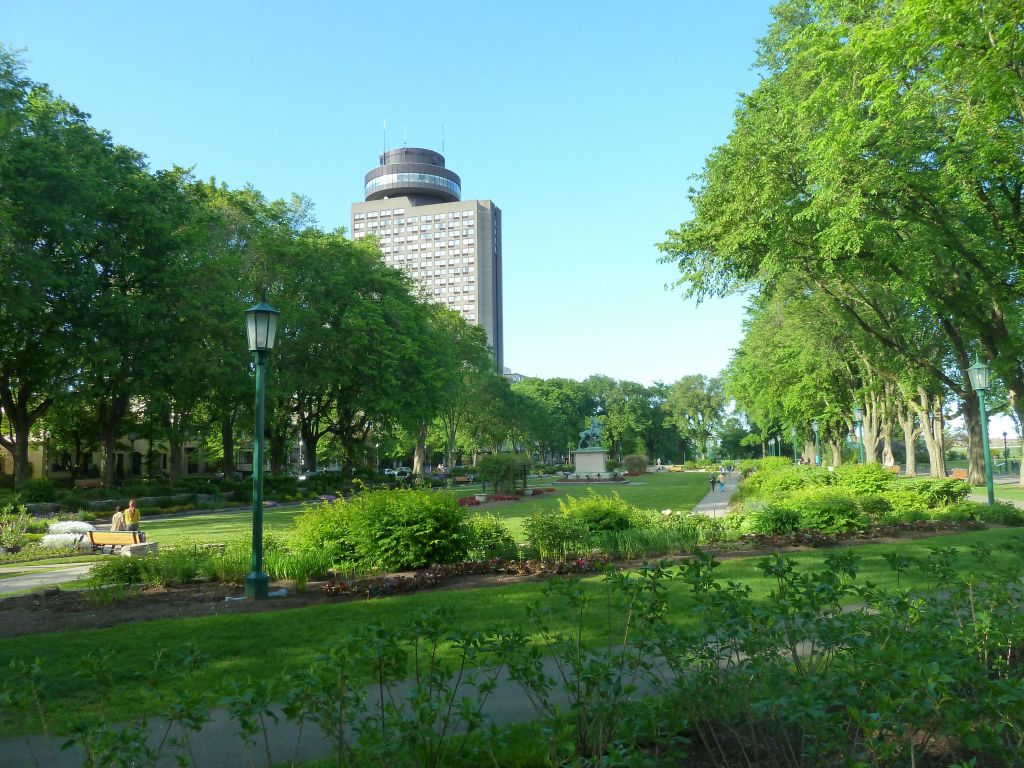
point(403, 472)
point(310, 474)
point(389, 472)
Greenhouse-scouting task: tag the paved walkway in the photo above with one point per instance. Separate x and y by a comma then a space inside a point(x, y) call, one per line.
point(716, 503)
point(40, 576)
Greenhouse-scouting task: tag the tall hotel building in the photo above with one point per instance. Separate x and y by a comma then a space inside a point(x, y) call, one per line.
point(450, 247)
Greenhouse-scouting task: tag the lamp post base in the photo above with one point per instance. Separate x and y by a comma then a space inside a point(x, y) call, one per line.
point(257, 585)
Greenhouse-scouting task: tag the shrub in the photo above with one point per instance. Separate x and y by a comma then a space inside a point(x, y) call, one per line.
point(829, 511)
point(14, 526)
point(636, 463)
point(489, 537)
point(502, 470)
point(556, 534)
point(599, 512)
point(771, 518)
point(387, 530)
point(40, 489)
point(875, 505)
point(861, 479)
point(939, 492)
point(1000, 513)
point(905, 506)
point(280, 486)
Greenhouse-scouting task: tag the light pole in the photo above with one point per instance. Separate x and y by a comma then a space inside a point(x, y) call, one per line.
point(978, 374)
point(792, 434)
point(1006, 456)
point(858, 420)
point(815, 427)
point(261, 326)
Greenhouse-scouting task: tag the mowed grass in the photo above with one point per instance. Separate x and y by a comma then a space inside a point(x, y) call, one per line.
point(662, 490)
point(261, 646)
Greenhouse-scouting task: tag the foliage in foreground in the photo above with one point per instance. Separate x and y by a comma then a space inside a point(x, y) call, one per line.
point(800, 679)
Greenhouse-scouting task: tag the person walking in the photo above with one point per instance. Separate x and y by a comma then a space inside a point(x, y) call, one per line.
point(721, 482)
point(713, 481)
point(132, 516)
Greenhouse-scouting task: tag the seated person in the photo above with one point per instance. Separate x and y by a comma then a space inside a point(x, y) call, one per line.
point(117, 521)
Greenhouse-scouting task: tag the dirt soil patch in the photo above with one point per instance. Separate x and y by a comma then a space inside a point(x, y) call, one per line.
point(54, 610)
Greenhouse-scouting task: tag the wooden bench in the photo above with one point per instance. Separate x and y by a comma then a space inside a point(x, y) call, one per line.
point(895, 469)
point(118, 539)
point(959, 474)
point(462, 479)
point(89, 482)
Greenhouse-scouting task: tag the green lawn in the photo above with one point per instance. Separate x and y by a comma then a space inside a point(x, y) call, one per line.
point(265, 645)
point(663, 490)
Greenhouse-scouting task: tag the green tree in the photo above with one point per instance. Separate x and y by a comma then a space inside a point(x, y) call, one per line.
point(696, 405)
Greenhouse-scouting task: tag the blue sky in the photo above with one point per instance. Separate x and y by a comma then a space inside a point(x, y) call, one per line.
point(582, 121)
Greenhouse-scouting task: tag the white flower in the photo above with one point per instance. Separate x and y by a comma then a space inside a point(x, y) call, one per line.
point(62, 540)
point(666, 512)
point(70, 526)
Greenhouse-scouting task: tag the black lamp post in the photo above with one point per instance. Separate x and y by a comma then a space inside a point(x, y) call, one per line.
point(815, 426)
point(978, 374)
point(858, 420)
point(261, 326)
point(1006, 456)
point(792, 434)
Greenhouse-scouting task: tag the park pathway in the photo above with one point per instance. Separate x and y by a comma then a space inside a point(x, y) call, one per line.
point(40, 576)
point(716, 503)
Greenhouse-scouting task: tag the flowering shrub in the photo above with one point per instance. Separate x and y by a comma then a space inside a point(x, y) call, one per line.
point(469, 501)
point(62, 541)
point(70, 526)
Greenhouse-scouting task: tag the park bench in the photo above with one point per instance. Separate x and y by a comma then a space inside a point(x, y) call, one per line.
point(675, 468)
point(462, 479)
point(895, 469)
point(959, 474)
point(89, 482)
point(127, 543)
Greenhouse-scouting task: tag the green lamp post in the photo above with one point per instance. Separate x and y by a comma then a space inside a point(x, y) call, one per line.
point(858, 420)
point(792, 435)
point(816, 427)
point(1006, 456)
point(261, 326)
point(978, 374)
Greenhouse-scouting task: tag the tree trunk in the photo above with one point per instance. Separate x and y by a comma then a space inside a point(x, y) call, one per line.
point(929, 412)
point(278, 449)
point(17, 409)
point(906, 422)
point(227, 444)
point(837, 453)
point(420, 454)
point(111, 412)
point(975, 447)
point(869, 430)
point(177, 450)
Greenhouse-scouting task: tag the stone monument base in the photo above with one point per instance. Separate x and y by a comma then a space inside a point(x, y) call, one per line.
point(591, 462)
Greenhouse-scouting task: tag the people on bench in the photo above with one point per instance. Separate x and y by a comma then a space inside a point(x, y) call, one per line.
point(132, 516)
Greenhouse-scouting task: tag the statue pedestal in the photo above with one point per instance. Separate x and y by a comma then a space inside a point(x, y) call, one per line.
point(591, 461)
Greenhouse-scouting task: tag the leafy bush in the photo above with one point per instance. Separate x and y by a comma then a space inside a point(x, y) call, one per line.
point(829, 511)
point(771, 518)
point(1000, 513)
point(14, 526)
point(40, 489)
point(599, 512)
point(556, 534)
point(875, 505)
point(279, 486)
point(388, 530)
point(636, 464)
point(905, 506)
point(861, 479)
point(938, 492)
point(778, 481)
point(489, 537)
point(502, 470)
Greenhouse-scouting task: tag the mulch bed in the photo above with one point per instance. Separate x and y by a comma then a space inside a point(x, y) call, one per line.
point(58, 611)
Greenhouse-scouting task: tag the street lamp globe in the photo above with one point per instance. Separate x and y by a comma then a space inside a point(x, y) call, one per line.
point(858, 414)
point(815, 426)
point(979, 376)
point(261, 326)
